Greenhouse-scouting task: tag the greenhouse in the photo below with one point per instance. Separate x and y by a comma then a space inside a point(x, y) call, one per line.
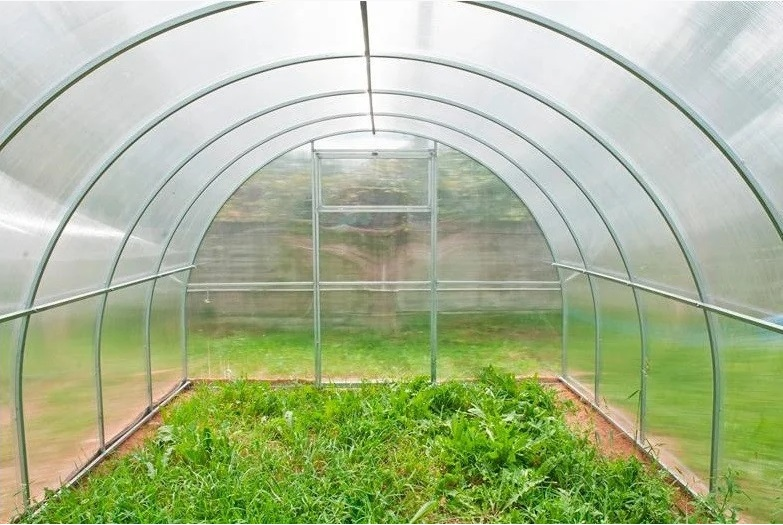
point(343, 194)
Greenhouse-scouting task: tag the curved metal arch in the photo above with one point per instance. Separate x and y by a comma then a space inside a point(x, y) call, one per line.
point(163, 182)
point(107, 56)
point(473, 138)
point(659, 87)
point(575, 180)
point(673, 225)
point(81, 193)
point(130, 142)
point(580, 187)
point(373, 129)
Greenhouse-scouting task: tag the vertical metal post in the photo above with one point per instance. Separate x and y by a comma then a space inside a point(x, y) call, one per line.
point(184, 325)
point(97, 338)
point(21, 438)
point(148, 342)
point(564, 320)
point(717, 398)
point(315, 203)
point(643, 369)
point(597, 321)
point(433, 201)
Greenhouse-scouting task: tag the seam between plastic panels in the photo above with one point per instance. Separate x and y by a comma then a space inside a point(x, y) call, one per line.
point(107, 56)
point(659, 87)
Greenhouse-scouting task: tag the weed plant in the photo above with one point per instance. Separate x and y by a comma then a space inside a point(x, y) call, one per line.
point(497, 450)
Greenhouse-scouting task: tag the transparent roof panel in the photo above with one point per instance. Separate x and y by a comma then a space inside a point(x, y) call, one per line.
point(60, 37)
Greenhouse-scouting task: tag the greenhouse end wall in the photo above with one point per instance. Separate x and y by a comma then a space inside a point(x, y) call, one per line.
point(383, 311)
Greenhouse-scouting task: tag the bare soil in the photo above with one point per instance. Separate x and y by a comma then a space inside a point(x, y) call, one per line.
point(610, 440)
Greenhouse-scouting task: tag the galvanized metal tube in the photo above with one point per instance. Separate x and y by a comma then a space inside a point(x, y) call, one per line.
point(184, 326)
point(433, 200)
point(316, 200)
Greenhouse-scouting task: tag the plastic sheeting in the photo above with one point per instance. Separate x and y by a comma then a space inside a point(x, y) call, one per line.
point(643, 138)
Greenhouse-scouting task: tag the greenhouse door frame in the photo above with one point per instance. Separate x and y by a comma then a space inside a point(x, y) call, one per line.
point(430, 208)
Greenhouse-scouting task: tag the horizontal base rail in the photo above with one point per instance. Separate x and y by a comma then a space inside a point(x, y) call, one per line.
point(679, 298)
point(675, 471)
point(115, 443)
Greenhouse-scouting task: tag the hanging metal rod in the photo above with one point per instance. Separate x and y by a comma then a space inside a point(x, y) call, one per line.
point(366, 30)
point(679, 298)
point(86, 295)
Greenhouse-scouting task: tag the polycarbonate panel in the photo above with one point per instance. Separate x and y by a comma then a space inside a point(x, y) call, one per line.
point(380, 141)
point(59, 38)
point(254, 147)
point(250, 333)
point(374, 246)
point(374, 181)
point(682, 163)
point(59, 396)
point(123, 360)
point(166, 337)
point(264, 231)
point(185, 242)
point(10, 484)
point(542, 210)
point(744, 55)
point(114, 203)
point(73, 136)
point(597, 245)
point(514, 331)
point(640, 228)
point(752, 364)
point(619, 379)
point(485, 233)
point(375, 333)
point(579, 338)
point(26, 220)
point(679, 383)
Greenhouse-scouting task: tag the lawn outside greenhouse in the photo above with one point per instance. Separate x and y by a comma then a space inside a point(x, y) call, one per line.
point(333, 262)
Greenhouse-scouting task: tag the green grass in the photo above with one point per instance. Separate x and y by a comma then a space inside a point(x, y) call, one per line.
point(679, 405)
point(497, 450)
point(522, 344)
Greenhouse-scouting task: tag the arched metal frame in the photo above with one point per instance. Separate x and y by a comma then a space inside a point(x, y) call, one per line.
point(137, 136)
point(659, 87)
point(614, 57)
point(466, 134)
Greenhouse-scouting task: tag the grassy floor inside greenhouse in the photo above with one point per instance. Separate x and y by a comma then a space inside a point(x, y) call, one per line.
point(497, 450)
point(522, 343)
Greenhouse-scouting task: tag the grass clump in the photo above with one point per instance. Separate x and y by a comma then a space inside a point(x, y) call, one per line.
point(497, 450)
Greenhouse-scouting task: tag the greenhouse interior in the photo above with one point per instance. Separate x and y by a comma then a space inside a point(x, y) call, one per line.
point(350, 193)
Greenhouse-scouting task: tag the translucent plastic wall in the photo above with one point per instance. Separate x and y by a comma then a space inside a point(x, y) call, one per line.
point(642, 138)
point(88, 374)
point(383, 204)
